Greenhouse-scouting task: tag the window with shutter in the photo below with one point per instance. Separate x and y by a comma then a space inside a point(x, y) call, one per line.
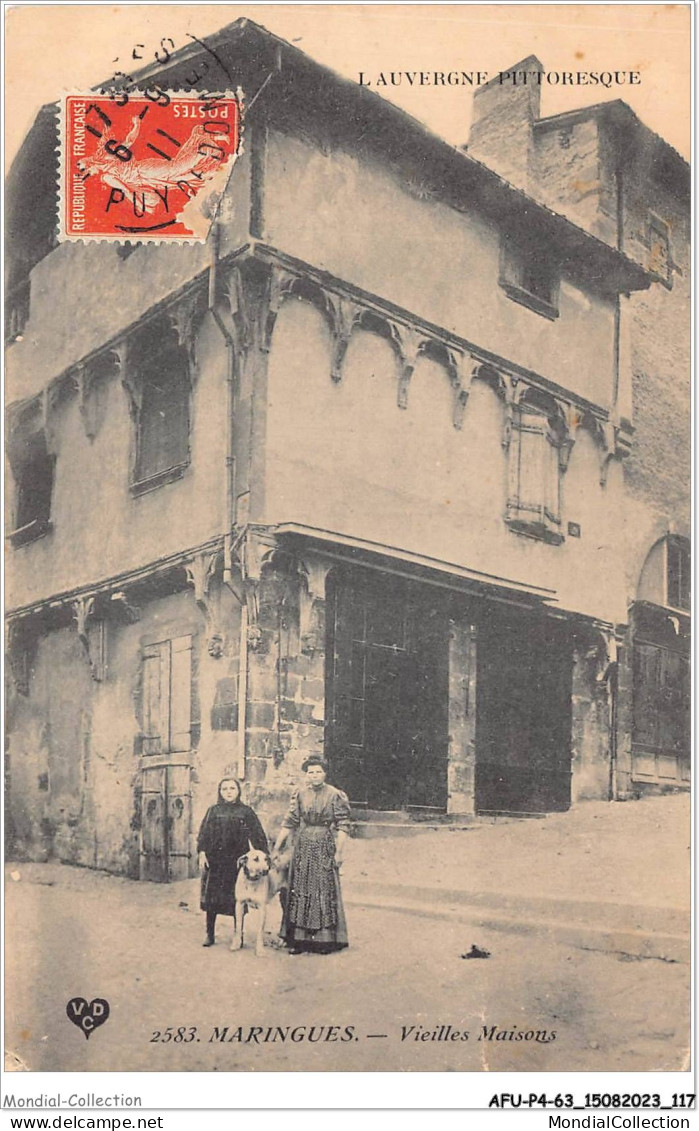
point(534, 494)
point(162, 437)
point(33, 470)
point(529, 276)
point(167, 696)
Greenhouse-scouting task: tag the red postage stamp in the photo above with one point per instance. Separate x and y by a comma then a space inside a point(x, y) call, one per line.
point(153, 168)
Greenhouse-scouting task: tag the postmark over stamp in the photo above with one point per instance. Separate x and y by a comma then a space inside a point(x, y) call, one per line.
point(150, 167)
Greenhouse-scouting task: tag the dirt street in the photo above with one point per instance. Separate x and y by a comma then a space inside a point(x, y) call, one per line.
point(72, 932)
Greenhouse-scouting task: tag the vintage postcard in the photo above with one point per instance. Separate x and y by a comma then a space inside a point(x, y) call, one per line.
point(348, 553)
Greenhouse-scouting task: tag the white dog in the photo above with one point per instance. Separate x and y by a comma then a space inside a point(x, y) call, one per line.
point(256, 885)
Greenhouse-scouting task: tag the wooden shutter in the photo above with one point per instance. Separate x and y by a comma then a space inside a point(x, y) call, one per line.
point(181, 693)
point(156, 698)
point(534, 487)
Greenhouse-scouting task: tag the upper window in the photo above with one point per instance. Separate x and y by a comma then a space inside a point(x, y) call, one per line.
point(162, 440)
point(659, 256)
point(678, 574)
point(534, 495)
point(528, 276)
point(33, 470)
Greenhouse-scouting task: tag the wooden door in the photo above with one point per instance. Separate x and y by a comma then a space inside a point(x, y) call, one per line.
point(387, 692)
point(523, 717)
point(165, 823)
point(153, 858)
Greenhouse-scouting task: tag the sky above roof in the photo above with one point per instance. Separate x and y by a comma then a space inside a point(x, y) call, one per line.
point(54, 48)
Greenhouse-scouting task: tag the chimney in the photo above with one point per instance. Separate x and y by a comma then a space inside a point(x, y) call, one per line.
point(504, 112)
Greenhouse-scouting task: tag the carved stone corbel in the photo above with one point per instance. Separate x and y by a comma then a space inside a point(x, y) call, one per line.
point(514, 390)
point(184, 318)
point(120, 353)
point(570, 418)
point(49, 400)
point(461, 377)
point(410, 344)
point(87, 377)
point(312, 577)
point(94, 644)
point(281, 283)
point(345, 315)
point(255, 292)
point(200, 571)
point(609, 449)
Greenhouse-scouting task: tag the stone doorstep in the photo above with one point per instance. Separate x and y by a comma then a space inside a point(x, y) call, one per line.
point(636, 943)
point(589, 914)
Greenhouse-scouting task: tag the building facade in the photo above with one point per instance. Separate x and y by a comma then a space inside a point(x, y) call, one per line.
point(347, 478)
point(604, 169)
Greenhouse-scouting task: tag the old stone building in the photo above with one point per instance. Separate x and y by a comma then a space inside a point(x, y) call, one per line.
point(348, 477)
point(606, 171)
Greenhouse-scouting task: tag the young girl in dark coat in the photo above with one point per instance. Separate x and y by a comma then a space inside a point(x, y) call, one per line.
point(226, 833)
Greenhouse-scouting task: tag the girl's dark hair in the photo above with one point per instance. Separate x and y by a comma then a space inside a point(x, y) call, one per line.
point(240, 789)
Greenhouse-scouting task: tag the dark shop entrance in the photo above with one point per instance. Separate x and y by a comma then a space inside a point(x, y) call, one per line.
point(523, 714)
point(387, 690)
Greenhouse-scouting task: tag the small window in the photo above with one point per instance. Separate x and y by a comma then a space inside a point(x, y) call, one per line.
point(162, 442)
point(534, 497)
point(167, 696)
point(528, 276)
point(659, 257)
point(33, 469)
point(678, 574)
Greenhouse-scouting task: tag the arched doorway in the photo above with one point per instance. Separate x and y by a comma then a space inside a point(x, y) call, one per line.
point(661, 632)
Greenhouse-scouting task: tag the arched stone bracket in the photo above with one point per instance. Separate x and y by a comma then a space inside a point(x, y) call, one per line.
point(50, 398)
point(514, 389)
point(312, 606)
point(616, 442)
point(87, 377)
point(185, 317)
point(92, 641)
point(200, 571)
point(346, 314)
point(410, 344)
point(569, 418)
point(257, 287)
point(255, 291)
point(121, 353)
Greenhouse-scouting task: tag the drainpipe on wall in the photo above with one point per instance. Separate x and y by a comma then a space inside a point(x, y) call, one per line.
point(229, 518)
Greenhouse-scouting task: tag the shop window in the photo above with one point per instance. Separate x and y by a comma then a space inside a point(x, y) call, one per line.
point(529, 277)
point(162, 441)
point(678, 574)
point(33, 469)
point(167, 696)
point(659, 255)
point(534, 494)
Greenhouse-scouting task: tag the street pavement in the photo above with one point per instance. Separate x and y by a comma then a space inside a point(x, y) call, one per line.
point(403, 997)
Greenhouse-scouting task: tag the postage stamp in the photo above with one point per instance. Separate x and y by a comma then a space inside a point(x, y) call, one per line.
point(151, 166)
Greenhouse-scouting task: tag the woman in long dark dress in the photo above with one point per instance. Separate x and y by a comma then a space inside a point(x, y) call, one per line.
point(226, 833)
point(314, 918)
